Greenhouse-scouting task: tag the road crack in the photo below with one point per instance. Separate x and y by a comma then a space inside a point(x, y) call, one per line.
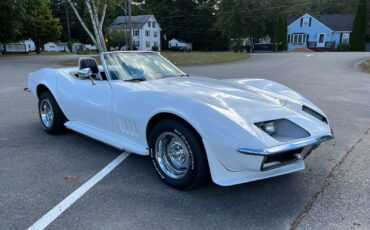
point(328, 179)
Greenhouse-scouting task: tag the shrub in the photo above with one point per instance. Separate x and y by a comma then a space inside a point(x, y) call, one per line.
point(248, 48)
point(344, 47)
point(155, 48)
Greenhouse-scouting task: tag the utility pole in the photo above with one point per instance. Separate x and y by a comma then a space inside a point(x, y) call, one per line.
point(129, 23)
point(68, 27)
point(124, 9)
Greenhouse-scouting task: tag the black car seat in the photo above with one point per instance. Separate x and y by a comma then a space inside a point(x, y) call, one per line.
point(88, 62)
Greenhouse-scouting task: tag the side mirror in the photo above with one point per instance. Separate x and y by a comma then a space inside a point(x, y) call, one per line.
point(86, 73)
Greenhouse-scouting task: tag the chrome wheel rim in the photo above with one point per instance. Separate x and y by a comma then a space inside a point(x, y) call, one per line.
point(172, 155)
point(46, 113)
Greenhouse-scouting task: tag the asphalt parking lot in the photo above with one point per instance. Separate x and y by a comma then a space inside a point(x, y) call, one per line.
point(37, 171)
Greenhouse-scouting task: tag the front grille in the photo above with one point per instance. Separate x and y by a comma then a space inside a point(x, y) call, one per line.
point(285, 158)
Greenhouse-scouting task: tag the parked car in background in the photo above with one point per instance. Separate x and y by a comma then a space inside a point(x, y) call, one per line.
point(179, 45)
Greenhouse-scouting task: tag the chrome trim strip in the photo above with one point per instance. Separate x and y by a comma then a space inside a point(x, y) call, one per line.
point(285, 147)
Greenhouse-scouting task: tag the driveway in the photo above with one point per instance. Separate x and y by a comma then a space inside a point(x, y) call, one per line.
point(37, 171)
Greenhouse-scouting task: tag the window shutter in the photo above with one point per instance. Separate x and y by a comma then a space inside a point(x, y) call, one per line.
point(288, 38)
point(309, 24)
point(301, 22)
point(341, 38)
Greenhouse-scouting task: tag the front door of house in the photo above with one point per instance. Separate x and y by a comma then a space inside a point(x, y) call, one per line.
point(321, 40)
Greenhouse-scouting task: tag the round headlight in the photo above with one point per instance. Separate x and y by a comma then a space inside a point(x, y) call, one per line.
point(270, 127)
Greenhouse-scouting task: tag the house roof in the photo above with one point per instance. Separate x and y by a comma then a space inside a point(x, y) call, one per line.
point(336, 22)
point(138, 21)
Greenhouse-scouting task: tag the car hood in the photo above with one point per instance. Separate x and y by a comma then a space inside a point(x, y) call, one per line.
point(217, 94)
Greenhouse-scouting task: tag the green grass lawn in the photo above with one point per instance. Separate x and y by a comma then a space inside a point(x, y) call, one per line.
point(365, 65)
point(188, 58)
point(203, 58)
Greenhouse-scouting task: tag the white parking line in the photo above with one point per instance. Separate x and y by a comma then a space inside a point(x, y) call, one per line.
point(49, 217)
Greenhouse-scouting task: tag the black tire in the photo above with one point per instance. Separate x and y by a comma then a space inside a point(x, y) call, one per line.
point(198, 172)
point(56, 125)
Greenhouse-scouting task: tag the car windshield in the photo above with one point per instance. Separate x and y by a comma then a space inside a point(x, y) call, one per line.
point(139, 66)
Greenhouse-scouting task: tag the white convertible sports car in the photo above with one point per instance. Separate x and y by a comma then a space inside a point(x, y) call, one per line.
point(236, 130)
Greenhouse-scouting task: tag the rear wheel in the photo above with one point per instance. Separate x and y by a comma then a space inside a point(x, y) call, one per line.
point(51, 116)
point(178, 155)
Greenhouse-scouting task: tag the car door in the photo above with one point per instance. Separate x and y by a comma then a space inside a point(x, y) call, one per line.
point(85, 102)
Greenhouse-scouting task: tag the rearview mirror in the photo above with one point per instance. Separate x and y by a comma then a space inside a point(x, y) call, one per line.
point(86, 73)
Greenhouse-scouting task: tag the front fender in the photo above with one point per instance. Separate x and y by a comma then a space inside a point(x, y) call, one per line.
point(46, 77)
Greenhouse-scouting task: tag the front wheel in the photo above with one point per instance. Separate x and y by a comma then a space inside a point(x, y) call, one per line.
point(178, 155)
point(51, 116)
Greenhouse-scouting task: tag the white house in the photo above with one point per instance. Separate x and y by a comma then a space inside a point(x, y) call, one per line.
point(56, 47)
point(90, 47)
point(25, 46)
point(179, 44)
point(50, 47)
point(146, 32)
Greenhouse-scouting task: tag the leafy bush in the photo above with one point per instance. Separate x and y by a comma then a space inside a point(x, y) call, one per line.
point(155, 48)
point(344, 47)
point(248, 48)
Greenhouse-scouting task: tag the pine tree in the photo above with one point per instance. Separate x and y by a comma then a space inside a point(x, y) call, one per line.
point(359, 28)
point(280, 34)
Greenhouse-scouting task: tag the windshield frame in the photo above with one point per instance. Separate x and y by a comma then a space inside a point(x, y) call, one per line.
point(105, 68)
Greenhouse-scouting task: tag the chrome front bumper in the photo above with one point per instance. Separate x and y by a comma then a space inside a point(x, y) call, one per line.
point(275, 150)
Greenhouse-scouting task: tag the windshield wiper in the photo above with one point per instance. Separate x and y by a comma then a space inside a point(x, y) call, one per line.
point(184, 75)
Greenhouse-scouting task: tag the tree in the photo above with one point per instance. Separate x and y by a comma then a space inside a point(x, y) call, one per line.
point(359, 28)
point(11, 18)
point(189, 20)
point(39, 23)
point(280, 35)
point(117, 38)
point(97, 11)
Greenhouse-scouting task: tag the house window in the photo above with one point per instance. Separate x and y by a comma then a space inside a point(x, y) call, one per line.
point(137, 43)
point(306, 21)
point(156, 44)
point(298, 38)
point(136, 32)
point(147, 43)
point(310, 22)
point(301, 22)
point(149, 24)
point(153, 24)
point(155, 34)
point(147, 33)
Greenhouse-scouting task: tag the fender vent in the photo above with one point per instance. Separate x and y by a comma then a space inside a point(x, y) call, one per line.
point(315, 114)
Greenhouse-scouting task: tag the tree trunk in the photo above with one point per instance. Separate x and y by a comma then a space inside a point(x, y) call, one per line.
point(38, 46)
point(3, 51)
